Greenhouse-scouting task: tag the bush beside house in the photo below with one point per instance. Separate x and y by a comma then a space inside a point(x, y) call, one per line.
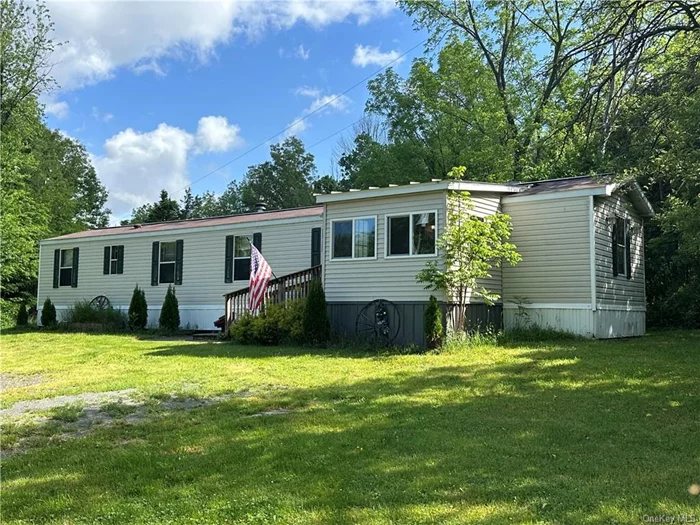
point(22, 315)
point(432, 324)
point(316, 325)
point(138, 310)
point(48, 313)
point(170, 312)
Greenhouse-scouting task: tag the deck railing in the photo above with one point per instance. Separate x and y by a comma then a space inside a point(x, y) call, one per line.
point(279, 290)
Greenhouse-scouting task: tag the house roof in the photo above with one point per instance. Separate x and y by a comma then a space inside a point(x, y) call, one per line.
point(417, 187)
point(585, 185)
point(256, 217)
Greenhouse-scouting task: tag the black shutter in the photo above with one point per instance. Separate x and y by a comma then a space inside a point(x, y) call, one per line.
point(228, 260)
point(614, 248)
point(120, 259)
point(179, 249)
point(257, 241)
point(628, 249)
point(56, 267)
point(315, 247)
point(74, 281)
point(155, 255)
point(107, 257)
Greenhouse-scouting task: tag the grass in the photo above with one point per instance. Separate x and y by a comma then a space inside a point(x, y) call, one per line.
point(563, 432)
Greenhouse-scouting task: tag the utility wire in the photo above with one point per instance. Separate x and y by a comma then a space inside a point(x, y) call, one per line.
point(309, 114)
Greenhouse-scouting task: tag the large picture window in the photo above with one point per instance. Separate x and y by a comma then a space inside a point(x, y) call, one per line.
point(168, 254)
point(241, 258)
point(411, 234)
point(66, 269)
point(354, 238)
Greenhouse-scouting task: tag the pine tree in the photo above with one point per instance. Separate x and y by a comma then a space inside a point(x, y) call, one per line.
point(315, 323)
point(432, 324)
point(48, 313)
point(138, 310)
point(170, 312)
point(22, 315)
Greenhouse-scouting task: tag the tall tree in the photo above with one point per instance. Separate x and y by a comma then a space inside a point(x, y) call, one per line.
point(285, 181)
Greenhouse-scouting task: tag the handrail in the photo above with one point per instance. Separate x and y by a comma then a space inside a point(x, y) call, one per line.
point(286, 288)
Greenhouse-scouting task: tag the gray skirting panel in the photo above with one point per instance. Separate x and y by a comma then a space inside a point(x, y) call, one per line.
point(343, 317)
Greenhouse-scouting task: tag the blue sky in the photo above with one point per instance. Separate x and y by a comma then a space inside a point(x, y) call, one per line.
point(162, 93)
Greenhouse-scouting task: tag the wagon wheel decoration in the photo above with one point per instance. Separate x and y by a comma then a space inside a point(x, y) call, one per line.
point(101, 302)
point(378, 322)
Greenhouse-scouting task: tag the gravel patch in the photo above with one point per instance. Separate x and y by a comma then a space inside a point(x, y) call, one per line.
point(90, 400)
point(19, 380)
point(273, 412)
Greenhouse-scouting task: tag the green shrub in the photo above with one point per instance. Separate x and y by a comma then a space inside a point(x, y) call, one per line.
point(432, 324)
point(22, 315)
point(8, 314)
point(170, 312)
point(48, 313)
point(315, 324)
point(276, 324)
point(138, 310)
point(82, 313)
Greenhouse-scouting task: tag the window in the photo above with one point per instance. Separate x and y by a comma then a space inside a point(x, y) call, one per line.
point(620, 246)
point(354, 238)
point(113, 260)
point(412, 234)
point(166, 269)
point(241, 258)
point(66, 268)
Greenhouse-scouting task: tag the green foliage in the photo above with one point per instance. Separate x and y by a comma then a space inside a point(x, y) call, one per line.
point(278, 323)
point(48, 313)
point(432, 323)
point(316, 325)
point(82, 313)
point(170, 311)
point(22, 315)
point(138, 310)
point(470, 247)
point(8, 314)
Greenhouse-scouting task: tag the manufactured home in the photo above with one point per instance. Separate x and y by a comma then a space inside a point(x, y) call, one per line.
point(581, 242)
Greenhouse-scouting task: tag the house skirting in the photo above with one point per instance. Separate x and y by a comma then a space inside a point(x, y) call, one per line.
point(607, 321)
point(195, 317)
point(343, 317)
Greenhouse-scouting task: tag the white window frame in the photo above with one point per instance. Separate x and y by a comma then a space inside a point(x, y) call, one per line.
point(411, 255)
point(115, 260)
point(352, 257)
point(626, 225)
point(162, 262)
point(61, 267)
point(233, 261)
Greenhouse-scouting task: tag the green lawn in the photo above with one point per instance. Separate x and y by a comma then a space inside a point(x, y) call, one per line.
point(571, 432)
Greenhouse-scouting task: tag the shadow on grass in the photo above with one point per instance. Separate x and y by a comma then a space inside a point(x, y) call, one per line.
point(560, 435)
point(231, 350)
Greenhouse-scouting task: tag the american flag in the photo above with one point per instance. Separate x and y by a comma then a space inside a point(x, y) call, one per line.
point(260, 273)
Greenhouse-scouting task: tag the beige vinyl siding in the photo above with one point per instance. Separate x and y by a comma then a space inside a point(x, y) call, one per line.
point(286, 246)
point(392, 278)
point(381, 278)
point(611, 290)
point(553, 239)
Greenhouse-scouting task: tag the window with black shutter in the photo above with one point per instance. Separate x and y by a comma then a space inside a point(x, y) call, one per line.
point(621, 256)
point(65, 273)
point(113, 260)
point(241, 258)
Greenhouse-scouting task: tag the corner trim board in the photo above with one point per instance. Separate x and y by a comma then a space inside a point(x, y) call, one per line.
point(591, 246)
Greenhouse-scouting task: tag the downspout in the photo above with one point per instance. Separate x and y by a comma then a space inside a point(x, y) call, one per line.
point(591, 227)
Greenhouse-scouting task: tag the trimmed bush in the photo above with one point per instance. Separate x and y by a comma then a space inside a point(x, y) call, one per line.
point(432, 324)
point(138, 310)
point(84, 317)
point(22, 315)
point(170, 312)
point(315, 324)
point(48, 313)
point(276, 324)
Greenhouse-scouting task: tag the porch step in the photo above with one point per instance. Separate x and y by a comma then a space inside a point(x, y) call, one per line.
point(206, 336)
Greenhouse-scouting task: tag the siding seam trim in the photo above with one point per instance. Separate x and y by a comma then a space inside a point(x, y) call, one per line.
point(591, 246)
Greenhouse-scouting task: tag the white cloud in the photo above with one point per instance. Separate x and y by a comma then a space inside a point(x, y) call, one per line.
point(216, 134)
point(298, 52)
point(58, 109)
point(367, 55)
point(307, 91)
point(102, 37)
point(320, 105)
point(104, 117)
point(136, 166)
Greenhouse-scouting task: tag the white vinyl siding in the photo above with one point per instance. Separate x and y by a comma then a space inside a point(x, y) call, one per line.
point(553, 239)
point(286, 246)
point(618, 290)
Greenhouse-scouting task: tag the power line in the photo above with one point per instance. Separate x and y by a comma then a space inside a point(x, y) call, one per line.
point(309, 114)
